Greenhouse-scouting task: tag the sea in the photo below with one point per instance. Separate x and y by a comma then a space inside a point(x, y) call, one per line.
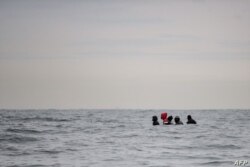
point(123, 138)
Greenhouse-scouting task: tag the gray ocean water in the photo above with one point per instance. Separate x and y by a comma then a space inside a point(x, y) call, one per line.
point(96, 138)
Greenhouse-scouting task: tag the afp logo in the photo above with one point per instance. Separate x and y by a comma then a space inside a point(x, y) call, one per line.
point(240, 163)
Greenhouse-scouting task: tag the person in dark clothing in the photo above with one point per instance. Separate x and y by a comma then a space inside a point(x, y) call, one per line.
point(190, 120)
point(178, 121)
point(170, 118)
point(155, 120)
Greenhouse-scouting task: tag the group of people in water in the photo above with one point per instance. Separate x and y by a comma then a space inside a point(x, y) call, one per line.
point(168, 120)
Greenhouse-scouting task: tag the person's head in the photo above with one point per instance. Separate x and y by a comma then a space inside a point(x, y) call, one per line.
point(170, 118)
point(189, 117)
point(154, 118)
point(177, 119)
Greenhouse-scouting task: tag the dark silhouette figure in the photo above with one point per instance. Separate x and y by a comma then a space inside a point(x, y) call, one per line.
point(155, 120)
point(178, 121)
point(170, 118)
point(190, 120)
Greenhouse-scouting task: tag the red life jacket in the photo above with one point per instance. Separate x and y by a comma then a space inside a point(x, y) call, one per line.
point(164, 117)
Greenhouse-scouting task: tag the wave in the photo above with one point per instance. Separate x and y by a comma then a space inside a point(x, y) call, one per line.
point(18, 153)
point(54, 165)
point(49, 119)
point(36, 118)
point(26, 131)
point(9, 148)
point(216, 163)
point(50, 151)
point(17, 139)
point(228, 146)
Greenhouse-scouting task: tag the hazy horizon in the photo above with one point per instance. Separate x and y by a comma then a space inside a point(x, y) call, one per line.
point(125, 54)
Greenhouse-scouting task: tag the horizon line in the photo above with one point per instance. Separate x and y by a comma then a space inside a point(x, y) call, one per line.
point(195, 109)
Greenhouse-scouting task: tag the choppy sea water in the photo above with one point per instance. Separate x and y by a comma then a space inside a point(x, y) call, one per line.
point(96, 138)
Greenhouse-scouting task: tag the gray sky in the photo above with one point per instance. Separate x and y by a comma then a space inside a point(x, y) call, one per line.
point(125, 54)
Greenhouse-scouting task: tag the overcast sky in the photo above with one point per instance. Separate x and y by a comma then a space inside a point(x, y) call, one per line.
point(125, 54)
